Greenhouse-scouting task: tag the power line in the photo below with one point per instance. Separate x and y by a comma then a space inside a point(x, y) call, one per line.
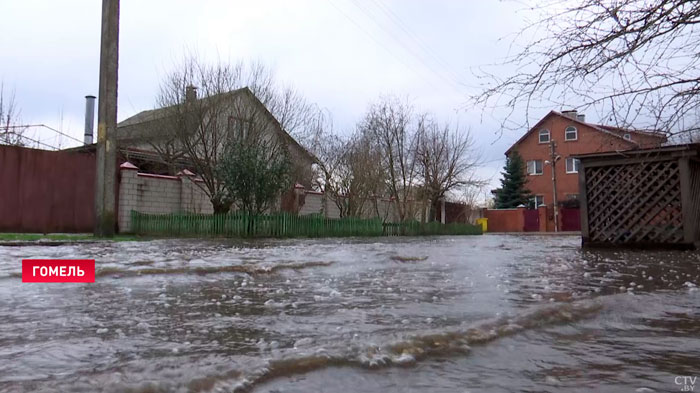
point(33, 140)
point(396, 20)
point(398, 40)
point(377, 41)
point(47, 127)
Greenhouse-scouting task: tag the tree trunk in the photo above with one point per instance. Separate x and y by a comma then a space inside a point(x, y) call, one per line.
point(220, 207)
point(435, 207)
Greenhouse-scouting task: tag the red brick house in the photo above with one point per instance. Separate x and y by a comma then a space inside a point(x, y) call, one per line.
point(571, 135)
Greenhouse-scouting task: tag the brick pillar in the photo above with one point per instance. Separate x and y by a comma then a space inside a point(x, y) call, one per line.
point(298, 197)
point(521, 218)
point(128, 196)
point(187, 196)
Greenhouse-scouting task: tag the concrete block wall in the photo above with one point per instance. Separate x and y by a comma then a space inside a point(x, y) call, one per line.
point(157, 194)
point(313, 204)
point(192, 198)
point(316, 203)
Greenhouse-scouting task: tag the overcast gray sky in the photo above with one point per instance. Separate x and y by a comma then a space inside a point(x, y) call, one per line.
point(341, 54)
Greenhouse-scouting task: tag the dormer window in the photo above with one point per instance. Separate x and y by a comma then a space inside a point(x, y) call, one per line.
point(571, 133)
point(627, 137)
point(544, 136)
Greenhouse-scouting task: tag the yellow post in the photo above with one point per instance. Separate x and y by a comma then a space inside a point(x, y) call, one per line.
point(483, 222)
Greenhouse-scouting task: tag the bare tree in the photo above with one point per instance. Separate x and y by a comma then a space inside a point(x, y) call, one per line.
point(11, 131)
point(350, 173)
point(304, 121)
point(634, 61)
point(446, 160)
point(206, 105)
point(333, 177)
point(391, 125)
point(369, 177)
point(470, 198)
point(198, 124)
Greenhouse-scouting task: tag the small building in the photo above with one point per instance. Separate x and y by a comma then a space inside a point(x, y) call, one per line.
point(555, 141)
point(644, 197)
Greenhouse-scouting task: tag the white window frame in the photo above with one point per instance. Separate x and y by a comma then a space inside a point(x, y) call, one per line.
point(627, 137)
point(568, 130)
point(532, 168)
point(534, 200)
point(544, 132)
point(575, 164)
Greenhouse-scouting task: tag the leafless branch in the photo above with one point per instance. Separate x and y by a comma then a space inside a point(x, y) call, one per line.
point(635, 62)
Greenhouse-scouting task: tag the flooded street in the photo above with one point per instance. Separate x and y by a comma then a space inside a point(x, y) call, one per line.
point(444, 314)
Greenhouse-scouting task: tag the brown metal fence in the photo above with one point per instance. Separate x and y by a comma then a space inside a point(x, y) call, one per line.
point(46, 191)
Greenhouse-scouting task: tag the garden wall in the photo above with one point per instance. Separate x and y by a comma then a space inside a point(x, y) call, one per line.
point(513, 220)
point(158, 194)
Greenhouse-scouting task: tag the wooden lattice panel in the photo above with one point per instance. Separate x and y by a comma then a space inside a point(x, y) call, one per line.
point(635, 203)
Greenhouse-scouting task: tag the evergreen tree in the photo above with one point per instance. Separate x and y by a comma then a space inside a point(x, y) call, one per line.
point(513, 192)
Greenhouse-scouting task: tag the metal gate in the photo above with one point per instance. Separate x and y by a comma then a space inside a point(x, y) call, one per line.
point(570, 219)
point(532, 220)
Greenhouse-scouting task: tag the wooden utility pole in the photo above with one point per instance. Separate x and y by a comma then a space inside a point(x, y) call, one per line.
point(554, 157)
point(105, 194)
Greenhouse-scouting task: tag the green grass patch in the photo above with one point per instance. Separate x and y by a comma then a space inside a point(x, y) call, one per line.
point(62, 237)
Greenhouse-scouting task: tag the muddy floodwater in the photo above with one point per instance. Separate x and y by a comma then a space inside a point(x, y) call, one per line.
point(442, 314)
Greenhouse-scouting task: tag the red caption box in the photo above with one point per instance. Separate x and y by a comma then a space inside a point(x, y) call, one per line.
point(58, 270)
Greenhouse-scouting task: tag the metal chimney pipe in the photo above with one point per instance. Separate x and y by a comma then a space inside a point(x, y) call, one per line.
point(89, 119)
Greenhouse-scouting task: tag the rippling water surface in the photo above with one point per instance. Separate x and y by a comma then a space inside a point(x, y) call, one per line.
point(445, 314)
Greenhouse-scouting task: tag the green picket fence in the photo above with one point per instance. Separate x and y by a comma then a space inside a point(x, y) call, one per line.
point(283, 225)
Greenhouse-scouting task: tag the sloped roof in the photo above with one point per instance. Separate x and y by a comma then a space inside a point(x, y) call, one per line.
point(160, 113)
point(608, 130)
point(655, 134)
point(130, 128)
point(692, 148)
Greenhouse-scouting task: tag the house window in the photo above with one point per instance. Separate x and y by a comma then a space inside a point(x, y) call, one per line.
point(534, 167)
point(627, 137)
point(571, 134)
point(544, 136)
point(572, 165)
point(239, 127)
point(537, 201)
